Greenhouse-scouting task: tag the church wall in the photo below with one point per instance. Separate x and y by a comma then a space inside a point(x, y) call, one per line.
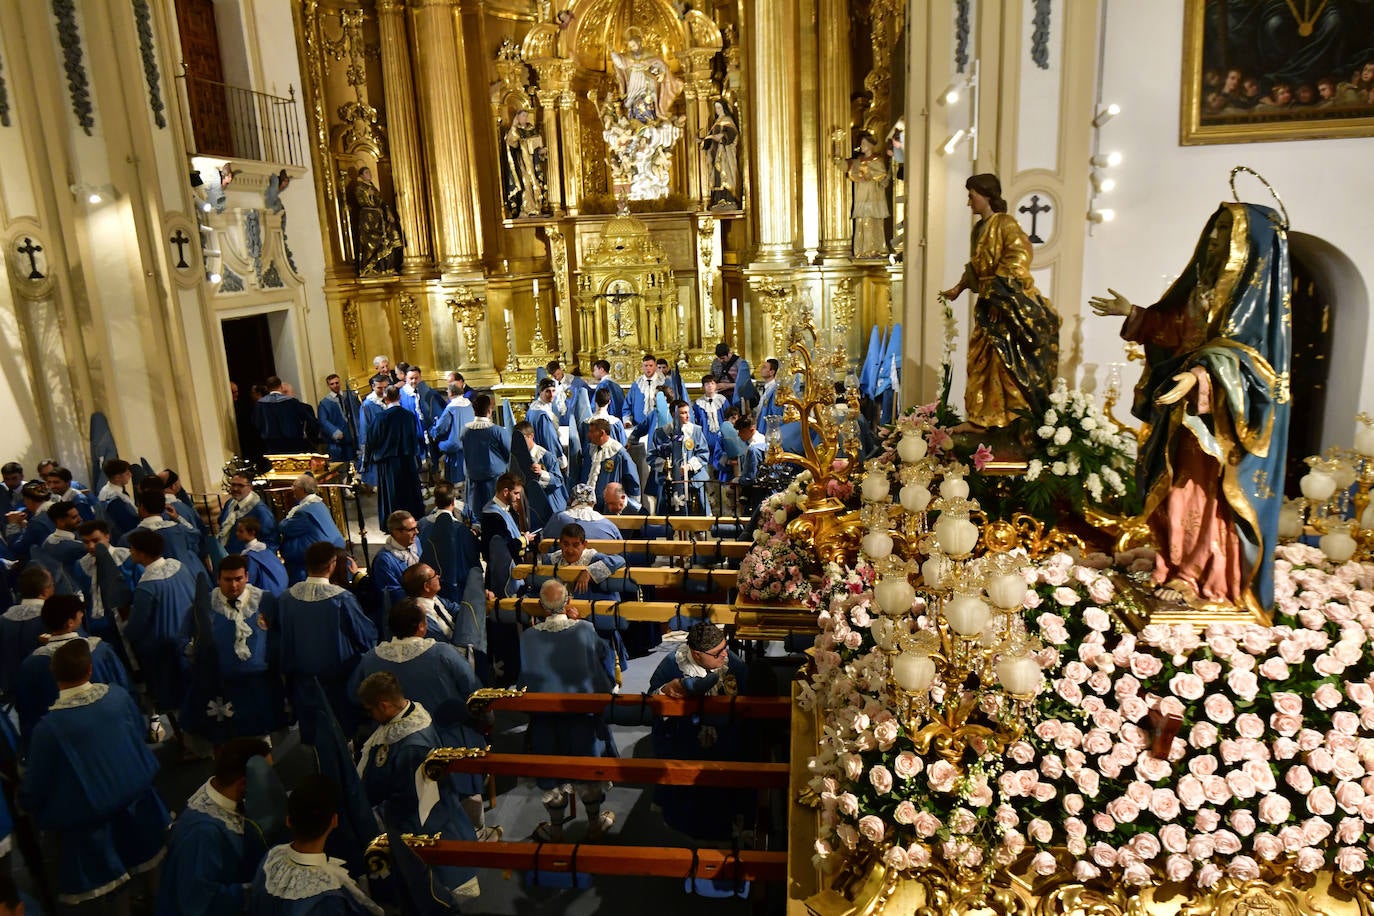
point(1166, 192)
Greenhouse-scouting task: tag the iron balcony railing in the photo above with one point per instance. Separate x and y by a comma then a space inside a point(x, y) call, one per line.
point(238, 123)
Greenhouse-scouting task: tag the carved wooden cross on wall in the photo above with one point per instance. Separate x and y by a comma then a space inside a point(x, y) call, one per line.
point(180, 240)
point(30, 249)
point(1035, 209)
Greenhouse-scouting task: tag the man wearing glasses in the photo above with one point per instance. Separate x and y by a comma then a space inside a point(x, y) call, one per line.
point(399, 552)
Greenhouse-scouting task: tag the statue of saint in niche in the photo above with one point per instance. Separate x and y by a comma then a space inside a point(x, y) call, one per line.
point(377, 239)
point(721, 145)
point(524, 167)
point(648, 87)
point(869, 173)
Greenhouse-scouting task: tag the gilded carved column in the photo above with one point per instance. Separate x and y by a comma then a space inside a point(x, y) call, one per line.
point(407, 171)
point(833, 114)
point(570, 133)
point(548, 100)
point(776, 147)
point(439, 65)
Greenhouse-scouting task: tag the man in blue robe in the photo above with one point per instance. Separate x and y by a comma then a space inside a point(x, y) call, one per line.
point(619, 502)
point(323, 633)
point(297, 878)
point(180, 539)
point(681, 459)
point(12, 475)
point(639, 405)
point(157, 620)
point(413, 401)
point(60, 485)
point(562, 654)
point(30, 526)
point(388, 763)
point(752, 460)
point(265, 569)
point(607, 461)
point(601, 375)
point(116, 503)
point(338, 415)
point(308, 522)
point(399, 552)
point(768, 404)
point(448, 432)
point(545, 488)
point(543, 418)
point(604, 410)
point(499, 523)
point(368, 414)
point(432, 673)
point(583, 512)
point(708, 412)
point(89, 784)
point(725, 369)
point(61, 553)
point(101, 619)
point(445, 507)
point(285, 424)
point(451, 621)
point(244, 501)
point(21, 625)
point(210, 857)
point(34, 687)
point(234, 689)
point(486, 455)
point(393, 446)
point(602, 580)
point(701, 666)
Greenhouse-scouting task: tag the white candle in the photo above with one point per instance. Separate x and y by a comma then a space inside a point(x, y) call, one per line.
point(536, 290)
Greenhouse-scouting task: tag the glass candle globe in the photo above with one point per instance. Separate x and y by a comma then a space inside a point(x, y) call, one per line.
point(954, 488)
point(878, 545)
point(912, 447)
point(967, 614)
point(894, 595)
point(936, 569)
point(1290, 522)
point(913, 671)
point(1337, 543)
point(875, 487)
point(915, 498)
point(1019, 675)
point(1344, 475)
point(1317, 485)
point(957, 536)
point(1364, 439)
point(1007, 590)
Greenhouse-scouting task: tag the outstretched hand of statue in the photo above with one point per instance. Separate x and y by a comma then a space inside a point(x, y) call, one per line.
point(1117, 305)
point(1184, 382)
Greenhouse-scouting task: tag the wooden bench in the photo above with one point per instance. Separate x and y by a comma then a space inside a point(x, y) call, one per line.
point(678, 524)
point(638, 770)
point(692, 549)
point(639, 575)
point(517, 700)
point(635, 611)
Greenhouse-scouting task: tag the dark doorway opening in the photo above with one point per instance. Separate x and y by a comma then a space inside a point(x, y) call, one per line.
point(248, 350)
point(1311, 366)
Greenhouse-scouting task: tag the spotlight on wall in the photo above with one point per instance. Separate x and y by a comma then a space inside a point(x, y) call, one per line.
point(1106, 114)
point(1101, 216)
point(214, 278)
point(94, 197)
point(955, 139)
point(1109, 161)
point(1103, 183)
point(206, 207)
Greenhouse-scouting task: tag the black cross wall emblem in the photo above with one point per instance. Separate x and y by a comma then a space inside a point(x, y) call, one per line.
point(181, 240)
point(30, 249)
point(1035, 209)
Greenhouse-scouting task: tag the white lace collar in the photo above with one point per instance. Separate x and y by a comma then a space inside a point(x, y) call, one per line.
point(308, 499)
point(110, 491)
point(689, 668)
point(120, 555)
point(537, 453)
point(156, 523)
point(82, 695)
point(375, 399)
point(459, 401)
point(254, 546)
point(214, 805)
point(410, 555)
point(247, 610)
point(414, 719)
point(159, 569)
point(585, 513)
point(403, 649)
point(291, 875)
point(27, 609)
point(54, 642)
point(434, 516)
point(314, 588)
point(480, 423)
point(648, 383)
point(556, 623)
point(237, 509)
point(714, 402)
point(60, 535)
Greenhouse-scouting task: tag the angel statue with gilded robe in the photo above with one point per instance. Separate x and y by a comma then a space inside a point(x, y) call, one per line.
point(1214, 397)
point(524, 167)
point(646, 84)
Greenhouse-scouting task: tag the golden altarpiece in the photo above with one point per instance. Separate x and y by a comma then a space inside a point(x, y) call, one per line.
point(502, 183)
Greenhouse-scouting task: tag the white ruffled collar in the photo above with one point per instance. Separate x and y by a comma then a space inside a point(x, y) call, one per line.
point(314, 588)
point(308, 499)
point(414, 719)
point(110, 491)
point(212, 804)
point(689, 668)
point(254, 546)
point(51, 646)
point(404, 649)
point(27, 609)
point(161, 568)
point(556, 623)
point(480, 423)
point(391, 545)
point(291, 875)
point(60, 535)
point(82, 695)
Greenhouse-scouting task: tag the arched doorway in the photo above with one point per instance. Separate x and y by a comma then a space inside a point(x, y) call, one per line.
point(1310, 369)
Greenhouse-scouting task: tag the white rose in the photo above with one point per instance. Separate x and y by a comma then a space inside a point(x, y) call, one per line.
point(1059, 469)
point(1062, 435)
point(1088, 423)
point(1034, 469)
point(1045, 432)
point(780, 516)
point(1051, 417)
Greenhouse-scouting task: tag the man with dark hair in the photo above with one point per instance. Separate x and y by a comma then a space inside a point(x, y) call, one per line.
point(393, 446)
point(680, 458)
point(308, 522)
point(639, 405)
point(285, 424)
point(63, 489)
point(297, 878)
point(265, 568)
point(768, 403)
point(12, 473)
point(123, 573)
point(399, 552)
point(393, 753)
point(323, 634)
point(159, 618)
point(603, 410)
point(338, 415)
point(180, 540)
point(368, 414)
point(210, 860)
point(545, 487)
point(607, 461)
point(447, 433)
point(243, 502)
point(725, 369)
point(234, 692)
point(29, 527)
point(499, 522)
point(544, 419)
point(34, 687)
point(116, 502)
point(486, 455)
point(756, 449)
point(22, 624)
point(89, 785)
point(601, 374)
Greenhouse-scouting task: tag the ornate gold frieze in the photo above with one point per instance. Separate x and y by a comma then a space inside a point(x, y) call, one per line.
point(467, 306)
point(352, 329)
point(411, 320)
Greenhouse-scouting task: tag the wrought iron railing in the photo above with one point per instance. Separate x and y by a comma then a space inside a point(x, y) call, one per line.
point(238, 123)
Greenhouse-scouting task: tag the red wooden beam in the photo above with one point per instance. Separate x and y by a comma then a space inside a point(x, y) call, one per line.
point(655, 861)
point(641, 771)
point(742, 708)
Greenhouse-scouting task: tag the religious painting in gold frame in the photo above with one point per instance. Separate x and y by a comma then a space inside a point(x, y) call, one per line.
point(1265, 70)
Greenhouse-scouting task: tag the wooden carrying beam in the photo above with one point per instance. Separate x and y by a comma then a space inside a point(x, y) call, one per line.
point(634, 611)
point(639, 770)
point(678, 523)
point(639, 575)
point(652, 861)
point(737, 707)
point(694, 549)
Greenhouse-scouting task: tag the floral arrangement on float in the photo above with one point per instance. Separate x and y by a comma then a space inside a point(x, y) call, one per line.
point(1080, 456)
point(777, 569)
point(986, 713)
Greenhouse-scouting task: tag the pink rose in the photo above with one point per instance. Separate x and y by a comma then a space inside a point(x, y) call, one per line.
point(1218, 708)
point(1274, 669)
point(1205, 765)
point(1274, 809)
point(1145, 666)
point(885, 733)
point(1349, 796)
point(1243, 684)
point(1287, 703)
point(1173, 838)
point(1349, 830)
point(1309, 859)
point(1203, 734)
point(1097, 741)
point(896, 858)
point(907, 765)
point(847, 835)
point(1138, 874)
point(1351, 860)
point(1321, 760)
point(1321, 802)
point(1262, 775)
point(1044, 864)
point(941, 775)
point(1139, 793)
point(1044, 792)
point(1164, 804)
point(1327, 696)
point(1286, 725)
point(1075, 828)
point(1190, 792)
point(1207, 670)
point(1087, 782)
point(881, 779)
point(1216, 789)
point(1268, 847)
point(1249, 725)
point(1040, 830)
point(1187, 686)
point(1206, 820)
point(1345, 722)
point(1144, 846)
point(1022, 752)
point(919, 855)
point(926, 824)
point(1103, 822)
point(1201, 847)
point(1103, 854)
point(1123, 810)
point(1328, 664)
point(1242, 822)
point(1083, 870)
point(1243, 868)
point(871, 828)
point(1315, 831)
point(1178, 868)
point(1226, 842)
point(905, 813)
point(1051, 767)
point(849, 805)
point(1241, 785)
point(1152, 769)
point(853, 766)
point(1073, 803)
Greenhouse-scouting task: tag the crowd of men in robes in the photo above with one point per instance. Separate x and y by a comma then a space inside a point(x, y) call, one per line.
point(132, 612)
